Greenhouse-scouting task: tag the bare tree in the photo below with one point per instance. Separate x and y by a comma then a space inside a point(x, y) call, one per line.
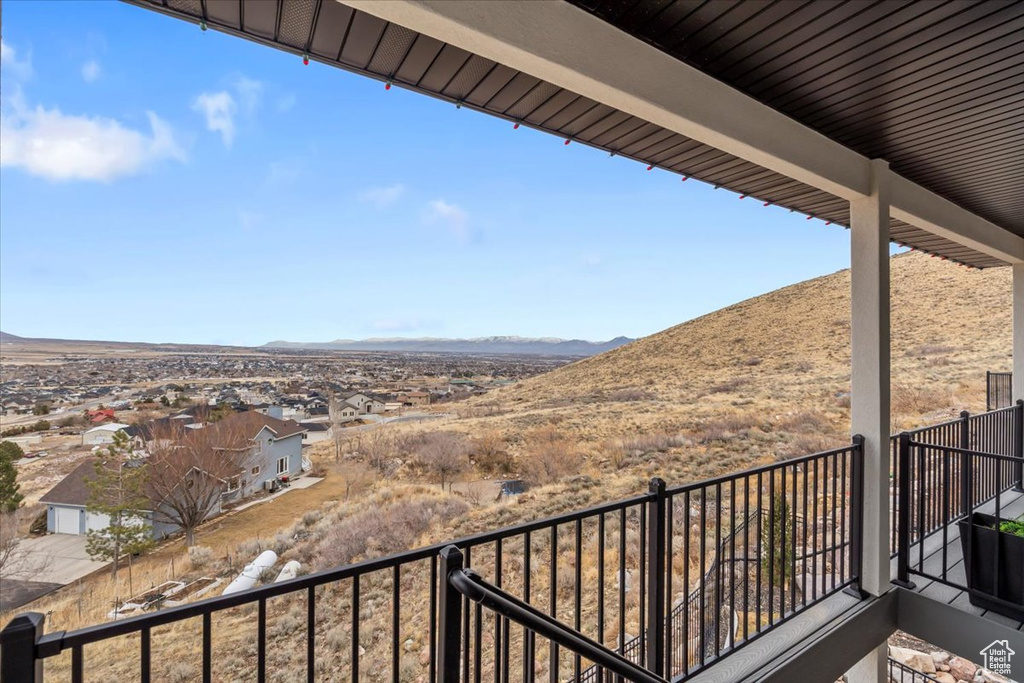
point(444, 455)
point(379, 449)
point(188, 475)
point(337, 431)
point(15, 562)
point(357, 477)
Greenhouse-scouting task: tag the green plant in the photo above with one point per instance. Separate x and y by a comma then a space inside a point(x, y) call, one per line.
point(1015, 527)
point(10, 499)
point(779, 534)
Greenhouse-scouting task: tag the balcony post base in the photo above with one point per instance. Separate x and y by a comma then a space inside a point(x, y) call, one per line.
point(908, 584)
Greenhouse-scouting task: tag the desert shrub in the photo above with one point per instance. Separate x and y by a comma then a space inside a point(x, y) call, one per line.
point(803, 421)
point(490, 450)
point(626, 395)
point(658, 442)
point(752, 362)
point(806, 444)
point(549, 456)
point(282, 543)
point(803, 366)
point(250, 548)
point(914, 400)
point(929, 350)
point(385, 530)
point(729, 385)
point(312, 517)
point(199, 556)
point(443, 455)
point(180, 672)
point(726, 427)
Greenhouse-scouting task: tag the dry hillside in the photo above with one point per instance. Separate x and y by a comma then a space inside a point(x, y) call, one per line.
point(785, 351)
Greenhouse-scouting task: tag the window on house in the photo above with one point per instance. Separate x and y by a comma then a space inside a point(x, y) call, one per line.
point(282, 465)
point(255, 470)
point(232, 484)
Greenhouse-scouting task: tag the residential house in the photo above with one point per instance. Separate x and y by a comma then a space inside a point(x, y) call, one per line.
point(102, 434)
point(415, 398)
point(274, 452)
point(364, 405)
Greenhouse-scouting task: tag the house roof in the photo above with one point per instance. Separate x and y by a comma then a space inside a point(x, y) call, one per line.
point(108, 427)
point(72, 489)
point(251, 423)
point(931, 87)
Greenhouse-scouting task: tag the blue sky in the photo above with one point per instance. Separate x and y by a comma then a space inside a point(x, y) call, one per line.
point(159, 183)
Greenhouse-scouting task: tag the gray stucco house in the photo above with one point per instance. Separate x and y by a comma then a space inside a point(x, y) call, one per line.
point(275, 453)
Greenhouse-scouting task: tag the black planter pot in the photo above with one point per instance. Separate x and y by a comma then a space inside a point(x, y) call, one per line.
point(983, 572)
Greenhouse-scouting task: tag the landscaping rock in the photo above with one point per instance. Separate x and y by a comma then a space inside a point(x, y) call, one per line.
point(961, 669)
point(919, 661)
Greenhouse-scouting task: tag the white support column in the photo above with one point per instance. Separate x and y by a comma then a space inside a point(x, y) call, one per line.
point(1018, 331)
point(869, 390)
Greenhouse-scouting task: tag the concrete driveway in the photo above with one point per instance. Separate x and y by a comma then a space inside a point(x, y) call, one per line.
point(44, 564)
point(58, 558)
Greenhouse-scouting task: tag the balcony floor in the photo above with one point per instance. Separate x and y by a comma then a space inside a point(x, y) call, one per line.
point(1012, 507)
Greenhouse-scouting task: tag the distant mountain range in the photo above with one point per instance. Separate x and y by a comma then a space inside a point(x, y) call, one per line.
point(543, 346)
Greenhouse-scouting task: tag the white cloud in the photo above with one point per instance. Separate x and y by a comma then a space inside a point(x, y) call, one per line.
point(59, 147)
point(10, 65)
point(592, 260)
point(454, 217)
point(90, 71)
point(219, 109)
point(250, 92)
point(382, 196)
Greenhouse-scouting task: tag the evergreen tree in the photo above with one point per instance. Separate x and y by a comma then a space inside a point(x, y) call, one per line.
point(10, 499)
point(117, 489)
point(779, 534)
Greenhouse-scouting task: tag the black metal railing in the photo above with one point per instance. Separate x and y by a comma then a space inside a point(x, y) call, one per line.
point(465, 582)
point(999, 431)
point(998, 390)
point(940, 485)
point(748, 550)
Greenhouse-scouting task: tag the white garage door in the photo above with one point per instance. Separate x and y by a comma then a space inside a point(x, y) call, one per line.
point(67, 520)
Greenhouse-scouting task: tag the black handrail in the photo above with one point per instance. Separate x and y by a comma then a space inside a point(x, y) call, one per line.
point(470, 584)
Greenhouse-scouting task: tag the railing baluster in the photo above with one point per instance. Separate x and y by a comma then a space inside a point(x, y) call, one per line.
point(600, 587)
point(396, 634)
point(144, 654)
point(578, 590)
point(500, 646)
point(311, 634)
point(207, 647)
point(355, 629)
point(261, 641)
point(433, 617)
point(553, 603)
point(76, 664)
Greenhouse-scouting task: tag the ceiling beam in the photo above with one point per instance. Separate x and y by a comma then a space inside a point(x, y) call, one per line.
point(564, 45)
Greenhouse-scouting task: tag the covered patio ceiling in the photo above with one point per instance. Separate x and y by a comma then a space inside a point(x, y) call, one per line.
point(935, 88)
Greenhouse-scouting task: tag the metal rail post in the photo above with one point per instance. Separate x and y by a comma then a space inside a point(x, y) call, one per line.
point(656, 579)
point(1018, 444)
point(857, 517)
point(18, 663)
point(903, 518)
point(449, 622)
